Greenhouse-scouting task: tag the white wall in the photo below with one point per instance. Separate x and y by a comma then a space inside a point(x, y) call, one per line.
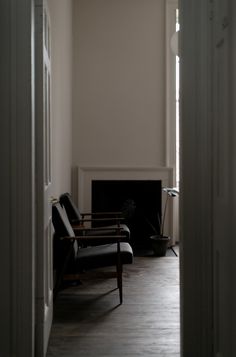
point(61, 25)
point(119, 83)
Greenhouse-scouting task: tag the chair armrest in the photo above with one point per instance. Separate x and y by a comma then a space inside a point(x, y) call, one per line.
point(117, 219)
point(113, 238)
point(101, 213)
point(90, 229)
point(102, 219)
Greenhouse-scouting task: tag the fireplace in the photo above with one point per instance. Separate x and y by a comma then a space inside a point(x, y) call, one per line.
point(139, 200)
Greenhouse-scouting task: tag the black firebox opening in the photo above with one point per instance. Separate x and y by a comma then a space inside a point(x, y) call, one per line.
point(139, 201)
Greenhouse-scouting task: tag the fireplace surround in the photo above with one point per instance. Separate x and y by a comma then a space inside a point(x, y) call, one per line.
point(84, 176)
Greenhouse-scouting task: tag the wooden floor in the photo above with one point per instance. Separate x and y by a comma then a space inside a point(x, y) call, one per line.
point(88, 321)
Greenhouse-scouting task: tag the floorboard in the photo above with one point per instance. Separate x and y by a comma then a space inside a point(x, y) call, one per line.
point(89, 322)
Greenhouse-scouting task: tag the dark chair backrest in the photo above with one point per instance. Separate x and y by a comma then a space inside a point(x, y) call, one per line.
point(63, 249)
point(71, 209)
point(61, 222)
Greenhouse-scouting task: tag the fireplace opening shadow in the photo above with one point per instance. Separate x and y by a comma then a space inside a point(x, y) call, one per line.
point(138, 200)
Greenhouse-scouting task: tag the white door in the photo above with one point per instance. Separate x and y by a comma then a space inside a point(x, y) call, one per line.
point(44, 269)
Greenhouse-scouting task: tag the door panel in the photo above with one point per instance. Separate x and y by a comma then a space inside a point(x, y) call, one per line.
point(44, 291)
point(221, 179)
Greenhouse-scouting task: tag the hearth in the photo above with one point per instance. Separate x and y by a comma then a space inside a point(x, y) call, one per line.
point(139, 200)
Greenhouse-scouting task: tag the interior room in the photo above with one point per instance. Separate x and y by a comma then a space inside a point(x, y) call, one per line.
point(88, 95)
point(110, 84)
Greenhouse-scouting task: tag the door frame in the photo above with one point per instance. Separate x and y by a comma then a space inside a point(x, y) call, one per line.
point(17, 255)
point(196, 262)
point(43, 265)
point(20, 314)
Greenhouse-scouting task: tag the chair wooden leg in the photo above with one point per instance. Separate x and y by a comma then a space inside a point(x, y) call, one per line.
point(119, 273)
point(119, 283)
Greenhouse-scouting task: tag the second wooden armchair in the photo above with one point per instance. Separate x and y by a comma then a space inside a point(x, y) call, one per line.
point(79, 220)
point(71, 257)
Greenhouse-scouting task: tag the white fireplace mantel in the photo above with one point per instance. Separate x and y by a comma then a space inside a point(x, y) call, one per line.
point(87, 174)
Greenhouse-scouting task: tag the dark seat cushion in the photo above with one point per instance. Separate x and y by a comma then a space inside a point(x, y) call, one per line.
point(103, 255)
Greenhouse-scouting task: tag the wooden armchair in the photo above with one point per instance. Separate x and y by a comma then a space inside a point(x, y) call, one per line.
point(70, 257)
point(78, 220)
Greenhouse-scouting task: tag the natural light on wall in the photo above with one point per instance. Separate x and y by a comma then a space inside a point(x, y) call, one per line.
point(172, 88)
point(177, 100)
point(172, 102)
point(174, 44)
